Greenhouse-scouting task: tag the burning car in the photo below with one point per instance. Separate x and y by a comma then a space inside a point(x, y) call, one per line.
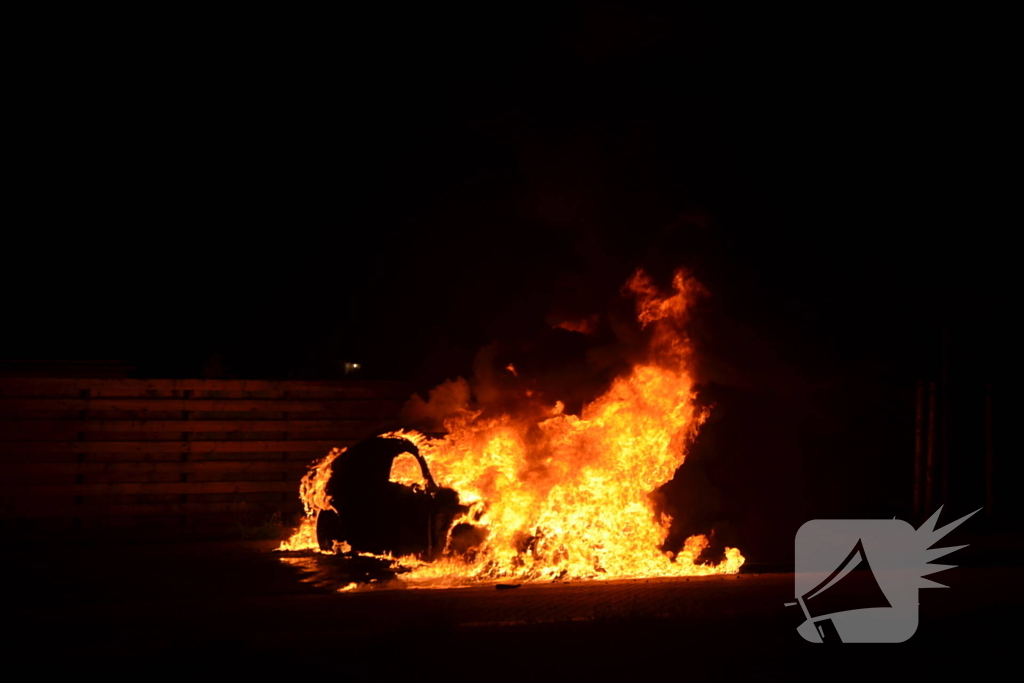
point(528, 490)
point(372, 513)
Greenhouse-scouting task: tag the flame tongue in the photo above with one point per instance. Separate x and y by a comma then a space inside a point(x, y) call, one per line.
point(313, 492)
point(565, 496)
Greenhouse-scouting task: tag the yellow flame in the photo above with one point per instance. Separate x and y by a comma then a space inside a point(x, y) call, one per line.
point(406, 470)
point(560, 495)
point(313, 493)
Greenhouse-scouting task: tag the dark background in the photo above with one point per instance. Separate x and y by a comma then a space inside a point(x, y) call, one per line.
point(251, 196)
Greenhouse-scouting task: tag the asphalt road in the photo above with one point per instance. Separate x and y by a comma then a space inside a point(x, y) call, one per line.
point(239, 609)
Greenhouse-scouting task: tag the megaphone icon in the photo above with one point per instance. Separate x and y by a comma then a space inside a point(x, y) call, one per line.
point(850, 605)
point(851, 586)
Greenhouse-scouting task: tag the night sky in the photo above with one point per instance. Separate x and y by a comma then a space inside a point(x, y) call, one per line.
point(252, 197)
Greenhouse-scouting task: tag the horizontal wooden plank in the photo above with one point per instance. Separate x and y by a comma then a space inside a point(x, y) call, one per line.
point(43, 469)
point(164, 437)
point(48, 386)
point(299, 457)
point(60, 427)
point(144, 447)
point(142, 488)
point(370, 413)
point(155, 477)
point(156, 498)
point(343, 407)
point(42, 532)
point(99, 511)
point(33, 506)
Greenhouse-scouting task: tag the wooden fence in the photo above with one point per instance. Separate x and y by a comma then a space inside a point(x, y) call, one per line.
point(127, 459)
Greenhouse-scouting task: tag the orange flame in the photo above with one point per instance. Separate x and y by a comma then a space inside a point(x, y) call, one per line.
point(564, 496)
point(313, 493)
point(406, 470)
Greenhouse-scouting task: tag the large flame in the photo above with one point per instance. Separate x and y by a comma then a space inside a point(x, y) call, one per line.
point(560, 495)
